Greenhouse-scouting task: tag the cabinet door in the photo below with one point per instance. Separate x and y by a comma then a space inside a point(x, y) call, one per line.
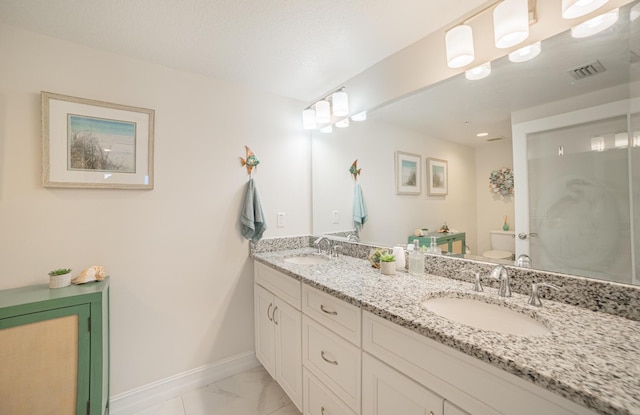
point(45, 362)
point(387, 392)
point(288, 328)
point(264, 332)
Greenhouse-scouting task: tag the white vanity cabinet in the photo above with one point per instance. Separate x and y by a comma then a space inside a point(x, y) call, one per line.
point(278, 329)
point(331, 354)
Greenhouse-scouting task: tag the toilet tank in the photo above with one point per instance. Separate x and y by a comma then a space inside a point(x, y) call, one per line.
point(503, 241)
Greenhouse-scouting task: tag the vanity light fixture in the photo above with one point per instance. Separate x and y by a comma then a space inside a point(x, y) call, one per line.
point(343, 123)
point(361, 116)
point(309, 119)
point(510, 23)
point(597, 143)
point(578, 8)
point(323, 112)
point(635, 12)
point(621, 140)
point(636, 139)
point(328, 129)
point(526, 53)
point(459, 44)
point(340, 102)
point(479, 72)
point(595, 25)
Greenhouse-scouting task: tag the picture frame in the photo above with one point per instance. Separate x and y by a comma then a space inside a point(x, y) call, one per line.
point(95, 144)
point(408, 175)
point(437, 177)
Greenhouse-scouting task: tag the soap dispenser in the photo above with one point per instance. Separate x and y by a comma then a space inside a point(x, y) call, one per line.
point(416, 260)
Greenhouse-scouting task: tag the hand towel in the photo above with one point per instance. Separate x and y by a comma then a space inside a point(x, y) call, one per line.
point(252, 221)
point(359, 208)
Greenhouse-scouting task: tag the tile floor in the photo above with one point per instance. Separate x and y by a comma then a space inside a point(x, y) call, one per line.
point(253, 392)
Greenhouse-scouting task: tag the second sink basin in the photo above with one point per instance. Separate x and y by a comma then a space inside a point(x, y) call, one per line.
point(485, 316)
point(306, 260)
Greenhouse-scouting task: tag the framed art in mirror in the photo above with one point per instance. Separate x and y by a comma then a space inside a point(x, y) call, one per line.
point(408, 173)
point(437, 177)
point(95, 144)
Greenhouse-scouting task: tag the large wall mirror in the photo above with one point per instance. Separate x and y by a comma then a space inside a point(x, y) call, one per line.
point(566, 123)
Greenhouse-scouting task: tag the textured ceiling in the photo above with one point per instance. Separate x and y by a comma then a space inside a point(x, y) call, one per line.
point(295, 48)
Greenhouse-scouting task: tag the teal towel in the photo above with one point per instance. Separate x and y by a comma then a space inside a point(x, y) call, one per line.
point(359, 208)
point(252, 221)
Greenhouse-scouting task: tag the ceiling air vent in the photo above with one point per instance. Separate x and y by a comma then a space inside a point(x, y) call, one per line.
point(585, 71)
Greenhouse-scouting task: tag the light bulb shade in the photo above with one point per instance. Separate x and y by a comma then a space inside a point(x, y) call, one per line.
point(635, 12)
point(327, 129)
point(459, 44)
point(597, 144)
point(340, 104)
point(343, 123)
point(511, 23)
point(361, 116)
point(479, 72)
point(595, 25)
point(323, 112)
point(309, 119)
point(526, 53)
point(621, 140)
point(577, 8)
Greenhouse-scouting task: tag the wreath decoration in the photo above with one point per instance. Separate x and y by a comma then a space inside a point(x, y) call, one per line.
point(501, 181)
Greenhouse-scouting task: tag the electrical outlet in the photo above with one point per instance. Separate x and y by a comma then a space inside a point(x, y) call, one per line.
point(280, 219)
point(335, 215)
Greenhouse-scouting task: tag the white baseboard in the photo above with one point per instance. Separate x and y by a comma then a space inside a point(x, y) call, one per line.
point(146, 396)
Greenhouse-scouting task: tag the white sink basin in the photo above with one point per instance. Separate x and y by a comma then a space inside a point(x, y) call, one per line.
point(306, 260)
point(485, 316)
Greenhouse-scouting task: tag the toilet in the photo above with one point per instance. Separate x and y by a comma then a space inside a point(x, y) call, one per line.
point(503, 245)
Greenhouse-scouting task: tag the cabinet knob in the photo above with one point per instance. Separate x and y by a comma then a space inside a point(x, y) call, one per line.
point(324, 310)
point(333, 362)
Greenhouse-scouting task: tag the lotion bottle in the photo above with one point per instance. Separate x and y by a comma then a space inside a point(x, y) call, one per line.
point(416, 260)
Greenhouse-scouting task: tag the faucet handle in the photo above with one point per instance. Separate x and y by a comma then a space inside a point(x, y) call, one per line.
point(477, 287)
point(523, 261)
point(336, 249)
point(535, 296)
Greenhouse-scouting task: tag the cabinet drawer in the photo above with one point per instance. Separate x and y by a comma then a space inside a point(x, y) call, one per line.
point(336, 362)
point(319, 400)
point(337, 315)
point(284, 286)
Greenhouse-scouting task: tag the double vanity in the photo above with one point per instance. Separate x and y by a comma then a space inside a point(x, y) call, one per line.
point(341, 338)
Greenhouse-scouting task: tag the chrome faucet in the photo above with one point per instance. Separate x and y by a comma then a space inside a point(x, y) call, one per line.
point(353, 237)
point(318, 242)
point(523, 261)
point(500, 273)
point(535, 296)
point(477, 287)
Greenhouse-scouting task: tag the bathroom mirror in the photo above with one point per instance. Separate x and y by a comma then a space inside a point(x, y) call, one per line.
point(442, 122)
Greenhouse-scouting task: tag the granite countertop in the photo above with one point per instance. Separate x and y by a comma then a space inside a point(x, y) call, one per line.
point(588, 357)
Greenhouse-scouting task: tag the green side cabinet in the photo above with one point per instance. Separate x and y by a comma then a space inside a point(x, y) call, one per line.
point(54, 350)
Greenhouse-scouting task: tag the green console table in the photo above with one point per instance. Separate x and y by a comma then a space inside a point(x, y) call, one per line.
point(452, 242)
point(54, 350)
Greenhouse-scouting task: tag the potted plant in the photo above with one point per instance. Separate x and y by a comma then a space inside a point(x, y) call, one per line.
point(59, 278)
point(388, 264)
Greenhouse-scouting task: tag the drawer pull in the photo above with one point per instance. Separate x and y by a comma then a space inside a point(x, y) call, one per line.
point(268, 309)
point(274, 315)
point(324, 310)
point(333, 362)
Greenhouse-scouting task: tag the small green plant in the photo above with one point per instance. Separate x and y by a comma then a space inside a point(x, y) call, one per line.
point(387, 257)
point(59, 271)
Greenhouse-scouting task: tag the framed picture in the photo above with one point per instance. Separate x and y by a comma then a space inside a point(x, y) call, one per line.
point(408, 173)
point(437, 177)
point(95, 144)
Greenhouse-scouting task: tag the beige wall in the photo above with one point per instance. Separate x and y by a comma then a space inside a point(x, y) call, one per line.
point(181, 276)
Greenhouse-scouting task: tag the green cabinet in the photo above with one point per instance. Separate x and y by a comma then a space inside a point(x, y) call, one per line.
point(452, 242)
point(54, 350)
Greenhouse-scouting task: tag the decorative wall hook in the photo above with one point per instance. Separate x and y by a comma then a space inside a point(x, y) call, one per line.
point(251, 161)
point(354, 170)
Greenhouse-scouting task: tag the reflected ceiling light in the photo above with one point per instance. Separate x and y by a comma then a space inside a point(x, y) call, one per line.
point(510, 23)
point(479, 72)
point(309, 119)
point(577, 8)
point(361, 116)
point(595, 25)
point(323, 112)
point(636, 139)
point(526, 53)
point(459, 44)
point(327, 129)
point(597, 144)
point(342, 123)
point(635, 12)
point(482, 134)
point(340, 102)
point(621, 140)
